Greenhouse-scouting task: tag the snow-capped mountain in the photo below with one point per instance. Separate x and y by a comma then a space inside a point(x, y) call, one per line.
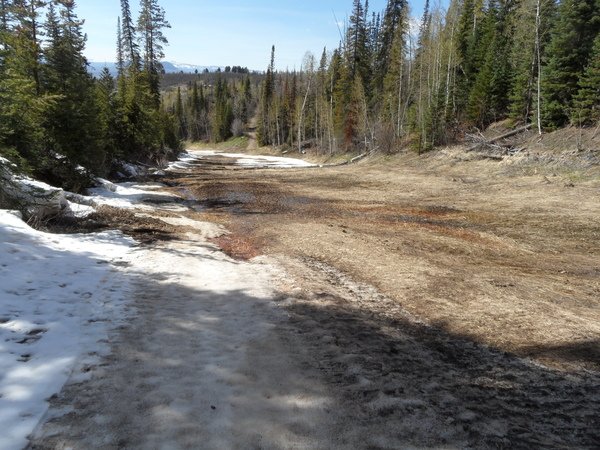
point(96, 67)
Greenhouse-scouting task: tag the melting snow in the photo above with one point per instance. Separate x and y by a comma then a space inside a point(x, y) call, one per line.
point(194, 158)
point(59, 296)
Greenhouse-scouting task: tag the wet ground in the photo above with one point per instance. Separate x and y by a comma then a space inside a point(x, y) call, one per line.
point(413, 306)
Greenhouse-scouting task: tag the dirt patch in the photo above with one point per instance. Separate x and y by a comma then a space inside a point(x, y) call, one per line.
point(417, 385)
point(504, 259)
point(237, 246)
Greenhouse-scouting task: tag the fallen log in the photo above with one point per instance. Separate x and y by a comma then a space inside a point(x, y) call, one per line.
point(498, 138)
point(357, 158)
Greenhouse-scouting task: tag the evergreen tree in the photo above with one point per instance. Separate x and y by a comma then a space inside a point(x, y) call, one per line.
point(4, 5)
point(532, 21)
point(474, 38)
point(586, 109)
point(488, 99)
point(222, 113)
point(576, 27)
point(108, 116)
point(26, 13)
point(264, 129)
point(396, 13)
point(129, 46)
point(393, 83)
point(22, 108)
point(73, 122)
point(180, 119)
point(150, 27)
point(357, 53)
point(120, 54)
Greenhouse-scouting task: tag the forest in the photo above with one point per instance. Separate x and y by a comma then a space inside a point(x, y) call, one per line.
point(388, 86)
point(55, 117)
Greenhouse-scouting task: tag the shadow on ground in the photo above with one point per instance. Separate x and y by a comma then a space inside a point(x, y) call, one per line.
point(198, 368)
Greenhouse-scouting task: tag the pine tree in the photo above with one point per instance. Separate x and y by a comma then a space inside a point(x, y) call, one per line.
point(532, 21)
point(73, 122)
point(130, 48)
point(4, 5)
point(150, 27)
point(120, 55)
point(22, 107)
point(264, 129)
point(575, 29)
point(393, 98)
point(396, 13)
point(222, 113)
point(108, 116)
point(586, 109)
point(488, 99)
point(357, 53)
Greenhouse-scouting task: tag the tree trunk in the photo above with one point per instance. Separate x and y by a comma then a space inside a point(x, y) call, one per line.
point(539, 64)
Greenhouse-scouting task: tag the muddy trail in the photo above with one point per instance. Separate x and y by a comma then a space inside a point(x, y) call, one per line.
point(446, 308)
point(351, 307)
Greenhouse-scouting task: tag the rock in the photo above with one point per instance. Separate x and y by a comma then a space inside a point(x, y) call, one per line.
point(35, 200)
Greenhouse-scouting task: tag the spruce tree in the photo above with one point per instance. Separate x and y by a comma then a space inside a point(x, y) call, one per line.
point(357, 53)
point(395, 13)
point(4, 5)
point(130, 48)
point(488, 99)
point(109, 123)
point(264, 129)
point(392, 84)
point(73, 122)
point(22, 107)
point(576, 27)
point(222, 113)
point(586, 109)
point(150, 27)
point(532, 20)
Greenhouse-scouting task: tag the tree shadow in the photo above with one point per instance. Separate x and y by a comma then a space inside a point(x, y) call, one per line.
point(203, 369)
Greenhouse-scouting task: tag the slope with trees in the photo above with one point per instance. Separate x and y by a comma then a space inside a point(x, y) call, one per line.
point(54, 116)
point(478, 61)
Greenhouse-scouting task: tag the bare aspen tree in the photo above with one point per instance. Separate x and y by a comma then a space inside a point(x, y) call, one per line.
point(538, 52)
point(308, 69)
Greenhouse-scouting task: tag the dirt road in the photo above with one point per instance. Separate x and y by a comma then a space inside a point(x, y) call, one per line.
point(419, 306)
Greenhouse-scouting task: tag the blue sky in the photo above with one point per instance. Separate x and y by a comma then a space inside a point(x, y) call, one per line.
point(232, 32)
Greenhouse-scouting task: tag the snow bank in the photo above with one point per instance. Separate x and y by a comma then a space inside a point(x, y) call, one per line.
point(129, 195)
point(33, 198)
point(59, 296)
point(194, 158)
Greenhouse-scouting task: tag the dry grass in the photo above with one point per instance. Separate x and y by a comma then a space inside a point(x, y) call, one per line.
point(507, 259)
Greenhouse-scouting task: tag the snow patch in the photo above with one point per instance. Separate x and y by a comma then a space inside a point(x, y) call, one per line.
point(194, 158)
point(130, 195)
point(59, 296)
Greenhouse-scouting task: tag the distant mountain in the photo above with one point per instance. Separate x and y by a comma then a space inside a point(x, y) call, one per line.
point(95, 68)
point(173, 67)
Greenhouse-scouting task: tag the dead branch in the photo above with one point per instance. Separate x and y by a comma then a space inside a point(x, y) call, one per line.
point(488, 142)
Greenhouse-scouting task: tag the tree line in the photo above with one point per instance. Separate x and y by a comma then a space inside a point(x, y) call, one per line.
point(476, 62)
point(55, 116)
point(213, 106)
